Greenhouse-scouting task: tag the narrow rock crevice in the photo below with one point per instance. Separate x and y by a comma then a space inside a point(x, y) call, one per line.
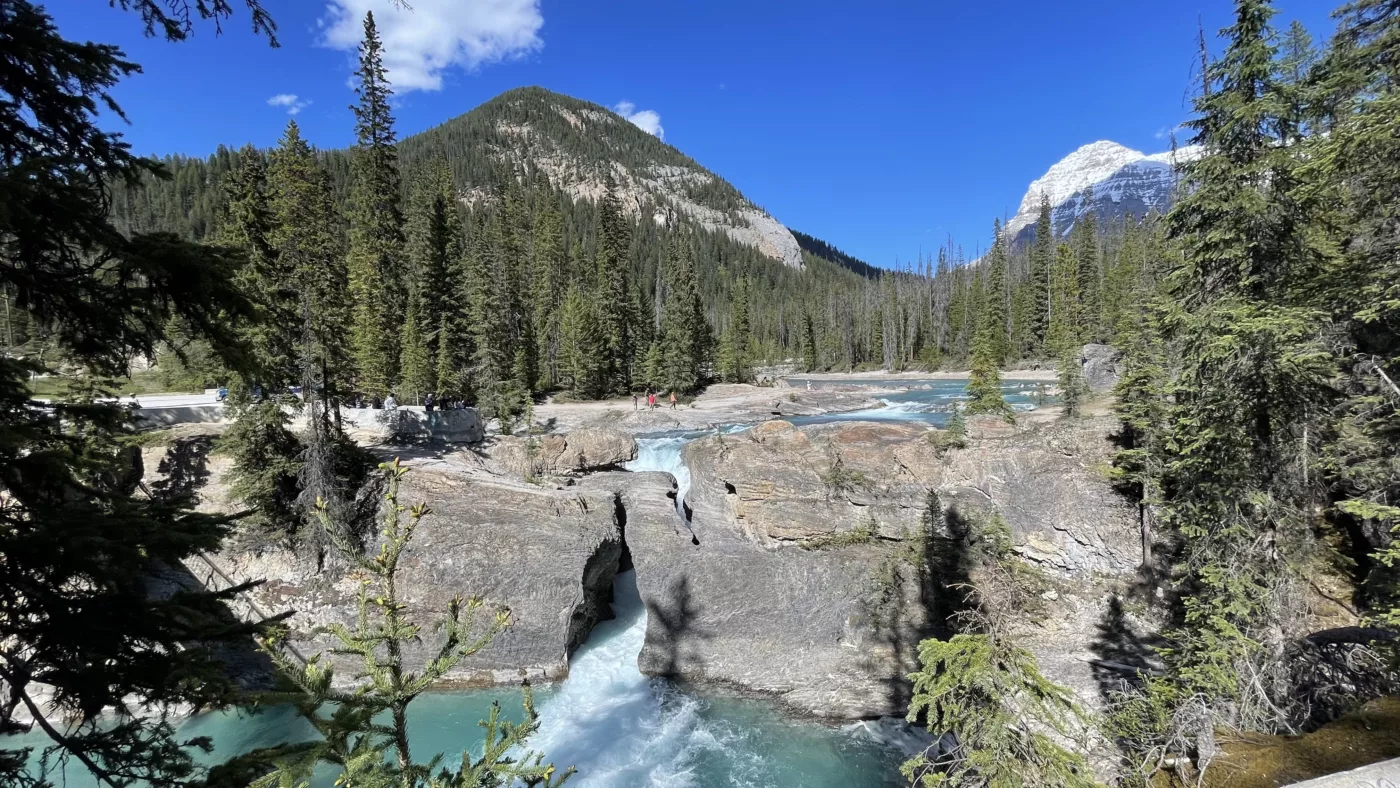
point(620, 513)
point(599, 571)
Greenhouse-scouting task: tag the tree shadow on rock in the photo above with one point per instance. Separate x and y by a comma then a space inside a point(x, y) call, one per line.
point(1126, 654)
point(672, 642)
point(919, 589)
point(184, 469)
point(227, 637)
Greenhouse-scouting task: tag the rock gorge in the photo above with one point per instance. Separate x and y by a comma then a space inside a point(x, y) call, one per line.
point(759, 592)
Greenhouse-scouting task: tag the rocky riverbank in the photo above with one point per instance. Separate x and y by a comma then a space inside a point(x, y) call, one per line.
point(797, 577)
point(724, 403)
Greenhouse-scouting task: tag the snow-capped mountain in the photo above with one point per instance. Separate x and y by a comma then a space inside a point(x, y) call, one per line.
point(1124, 181)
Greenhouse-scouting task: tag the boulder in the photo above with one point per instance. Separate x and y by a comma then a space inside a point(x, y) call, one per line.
point(1103, 365)
point(582, 450)
point(547, 555)
point(782, 485)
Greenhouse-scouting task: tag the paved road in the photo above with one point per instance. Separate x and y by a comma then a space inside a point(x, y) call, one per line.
point(172, 400)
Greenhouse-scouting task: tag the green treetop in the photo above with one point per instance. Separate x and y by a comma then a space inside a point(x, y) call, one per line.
point(684, 332)
point(376, 256)
point(984, 380)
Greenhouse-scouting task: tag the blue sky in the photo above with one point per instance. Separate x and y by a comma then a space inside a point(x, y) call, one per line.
point(881, 127)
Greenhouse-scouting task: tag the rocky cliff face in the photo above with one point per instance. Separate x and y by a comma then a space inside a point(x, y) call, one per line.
point(779, 485)
point(580, 146)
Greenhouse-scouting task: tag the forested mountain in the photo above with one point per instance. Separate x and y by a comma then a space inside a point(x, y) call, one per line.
point(533, 161)
point(573, 146)
point(820, 248)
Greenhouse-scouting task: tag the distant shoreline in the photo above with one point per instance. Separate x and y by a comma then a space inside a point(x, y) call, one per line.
point(836, 377)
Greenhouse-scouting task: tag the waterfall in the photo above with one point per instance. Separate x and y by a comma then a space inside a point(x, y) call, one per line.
point(621, 728)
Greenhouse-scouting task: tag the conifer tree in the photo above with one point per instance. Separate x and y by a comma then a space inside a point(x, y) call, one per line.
point(984, 381)
point(248, 223)
point(1085, 241)
point(307, 237)
point(487, 308)
point(1248, 354)
point(582, 346)
point(266, 455)
point(550, 278)
point(1023, 340)
point(434, 243)
point(875, 352)
point(738, 336)
point(957, 427)
point(376, 256)
point(417, 369)
point(1358, 81)
point(684, 332)
point(614, 291)
point(999, 721)
point(1042, 262)
point(810, 350)
point(1071, 382)
point(78, 545)
point(993, 318)
point(1296, 59)
point(1062, 334)
point(653, 368)
point(1140, 403)
point(448, 369)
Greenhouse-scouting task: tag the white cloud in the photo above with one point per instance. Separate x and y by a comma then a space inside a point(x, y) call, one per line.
point(1167, 131)
point(424, 38)
point(290, 101)
point(648, 120)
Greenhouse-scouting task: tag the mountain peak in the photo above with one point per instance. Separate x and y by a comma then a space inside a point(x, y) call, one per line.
point(1124, 181)
point(579, 146)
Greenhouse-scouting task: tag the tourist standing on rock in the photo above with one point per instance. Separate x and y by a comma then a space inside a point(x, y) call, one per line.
point(428, 403)
point(635, 405)
point(673, 399)
point(651, 400)
point(390, 403)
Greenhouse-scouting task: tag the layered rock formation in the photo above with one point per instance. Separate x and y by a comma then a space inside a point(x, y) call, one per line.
point(803, 575)
point(548, 555)
point(799, 576)
point(777, 484)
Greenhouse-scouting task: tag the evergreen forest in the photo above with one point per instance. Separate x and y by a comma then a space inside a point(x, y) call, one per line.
point(1257, 410)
